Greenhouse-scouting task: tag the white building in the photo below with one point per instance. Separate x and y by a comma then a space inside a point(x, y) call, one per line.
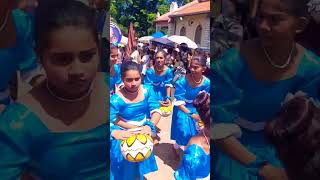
point(191, 20)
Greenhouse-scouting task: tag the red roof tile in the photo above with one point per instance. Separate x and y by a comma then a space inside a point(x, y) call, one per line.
point(195, 7)
point(192, 8)
point(164, 17)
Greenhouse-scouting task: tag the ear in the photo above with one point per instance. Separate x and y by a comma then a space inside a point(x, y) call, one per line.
point(302, 23)
point(204, 69)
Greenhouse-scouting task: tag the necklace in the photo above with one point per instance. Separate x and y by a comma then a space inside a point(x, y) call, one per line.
point(159, 70)
point(276, 65)
point(70, 100)
point(3, 25)
point(197, 82)
point(132, 93)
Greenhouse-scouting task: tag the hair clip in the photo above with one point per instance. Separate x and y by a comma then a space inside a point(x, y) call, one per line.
point(203, 91)
point(291, 96)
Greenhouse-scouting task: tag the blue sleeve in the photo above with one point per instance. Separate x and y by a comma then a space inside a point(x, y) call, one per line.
point(311, 72)
point(169, 78)
point(118, 75)
point(114, 108)
point(148, 77)
point(226, 93)
point(14, 142)
point(207, 86)
point(180, 89)
point(153, 103)
point(25, 41)
point(190, 164)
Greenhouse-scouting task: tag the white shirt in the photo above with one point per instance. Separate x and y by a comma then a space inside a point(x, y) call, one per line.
point(135, 56)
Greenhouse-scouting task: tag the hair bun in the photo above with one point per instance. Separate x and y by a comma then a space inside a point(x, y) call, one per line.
point(293, 119)
point(202, 104)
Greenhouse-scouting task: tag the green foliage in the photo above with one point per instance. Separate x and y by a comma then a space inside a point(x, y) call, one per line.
point(141, 13)
point(163, 7)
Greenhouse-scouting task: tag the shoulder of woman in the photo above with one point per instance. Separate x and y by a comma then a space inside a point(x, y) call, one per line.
point(114, 99)
point(182, 80)
point(195, 142)
point(169, 70)
point(310, 64)
point(311, 57)
point(116, 67)
point(206, 80)
point(150, 70)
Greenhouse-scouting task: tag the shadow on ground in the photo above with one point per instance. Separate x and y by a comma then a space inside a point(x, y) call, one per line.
point(165, 152)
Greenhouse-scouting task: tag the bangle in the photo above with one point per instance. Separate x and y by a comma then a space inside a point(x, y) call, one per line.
point(151, 125)
point(255, 166)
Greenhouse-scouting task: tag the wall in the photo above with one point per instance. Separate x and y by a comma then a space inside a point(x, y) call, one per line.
point(191, 23)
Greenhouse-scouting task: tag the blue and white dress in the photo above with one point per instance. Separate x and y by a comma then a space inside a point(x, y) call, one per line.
point(116, 79)
point(27, 145)
point(135, 114)
point(183, 126)
point(238, 94)
point(159, 83)
point(195, 164)
point(18, 57)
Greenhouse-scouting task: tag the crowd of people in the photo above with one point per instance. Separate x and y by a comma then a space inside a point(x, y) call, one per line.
point(156, 76)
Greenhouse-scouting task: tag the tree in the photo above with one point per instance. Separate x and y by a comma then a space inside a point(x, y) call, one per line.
point(163, 6)
point(141, 13)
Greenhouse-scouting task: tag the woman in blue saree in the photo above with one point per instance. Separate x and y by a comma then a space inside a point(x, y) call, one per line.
point(195, 163)
point(133, 106)
point(250, 85)
point(56, 131)
point(16, 48)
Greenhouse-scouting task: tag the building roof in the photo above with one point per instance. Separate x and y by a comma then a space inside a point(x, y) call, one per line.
point(164, 17)
point(192, 8)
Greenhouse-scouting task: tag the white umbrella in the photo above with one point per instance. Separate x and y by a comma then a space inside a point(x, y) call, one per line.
point(124, 40)
point(145, 39)
point(183, 39)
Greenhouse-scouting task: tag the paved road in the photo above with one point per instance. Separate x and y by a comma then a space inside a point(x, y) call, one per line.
point(164, 154)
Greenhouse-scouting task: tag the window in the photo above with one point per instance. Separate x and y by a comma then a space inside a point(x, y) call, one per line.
point(183, 31)
point(197, 38)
